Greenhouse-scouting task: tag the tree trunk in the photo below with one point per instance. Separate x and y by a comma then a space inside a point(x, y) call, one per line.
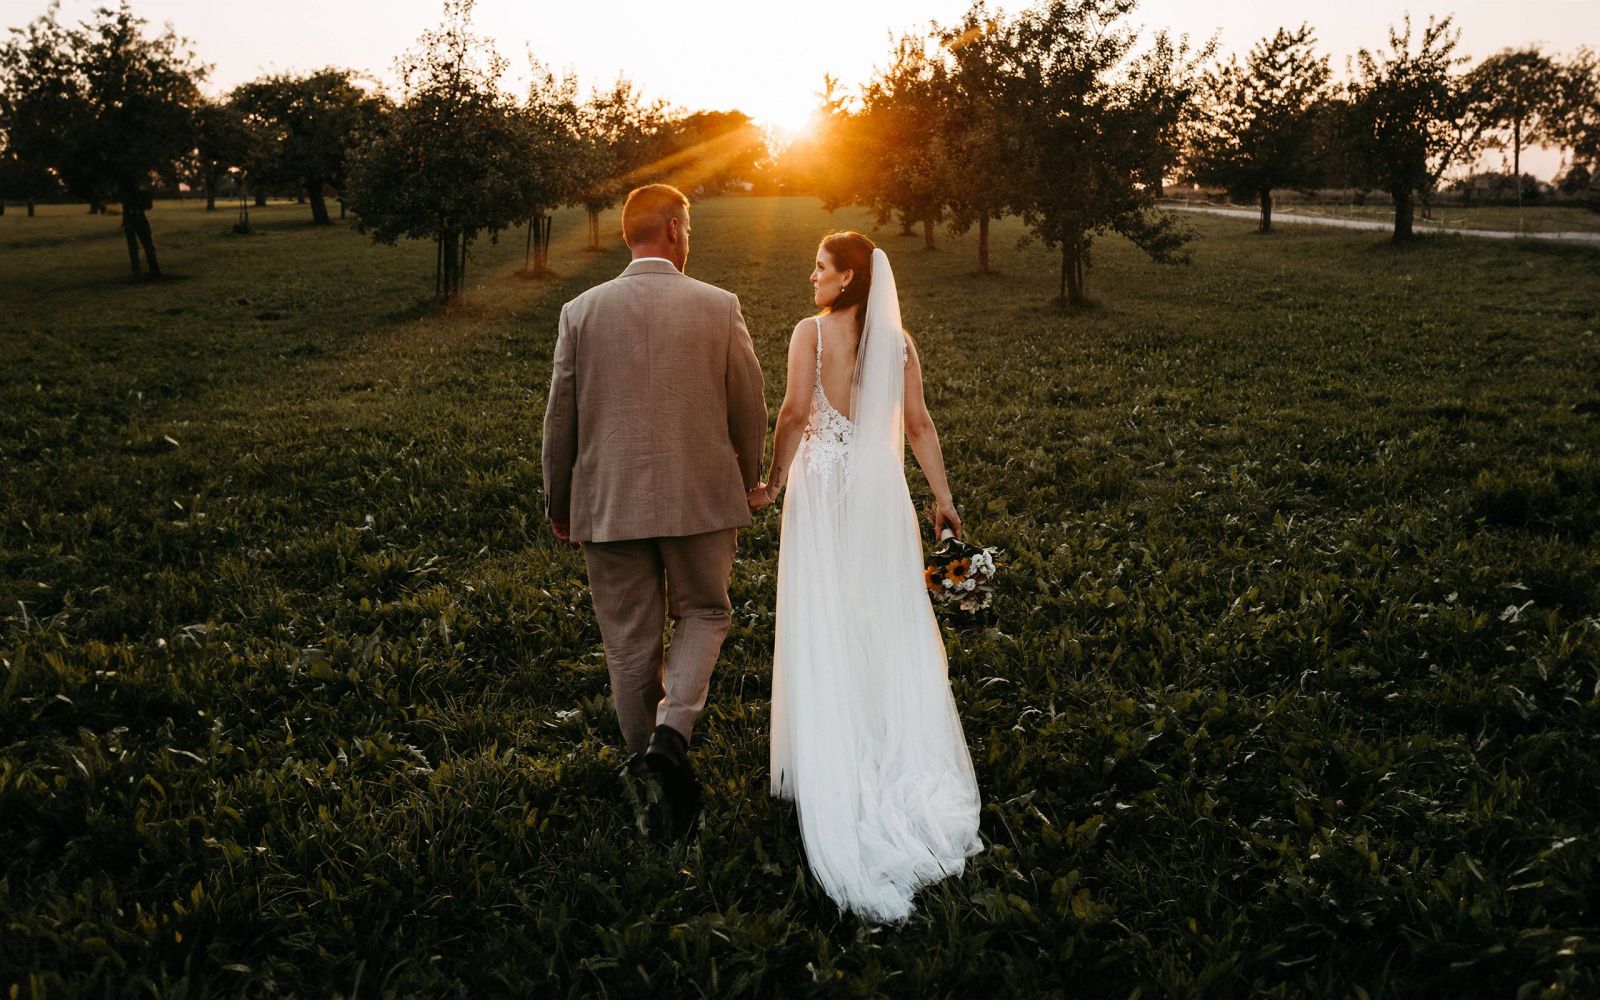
point(341, 206)
point(905, 226)
point(927, 234)
point(319, 206)
point(594, 229)
point(449, 250)
point(1403, 201)
point(30, 208)
point(1516, 157)
point(299, 197)
point(1266, 210)
point(261, 199)
point(1071, 274)
point(133, 244)
point(983, 244)
point(2, 206)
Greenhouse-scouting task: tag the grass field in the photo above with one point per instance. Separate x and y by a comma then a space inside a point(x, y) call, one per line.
point(1291, 686)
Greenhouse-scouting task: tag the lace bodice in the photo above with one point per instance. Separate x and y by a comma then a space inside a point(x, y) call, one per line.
point(828, 432)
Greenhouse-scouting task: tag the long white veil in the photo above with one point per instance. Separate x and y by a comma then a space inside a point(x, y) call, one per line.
point(866, 737)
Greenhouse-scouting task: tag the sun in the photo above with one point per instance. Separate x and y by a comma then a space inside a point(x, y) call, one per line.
point(789, 121)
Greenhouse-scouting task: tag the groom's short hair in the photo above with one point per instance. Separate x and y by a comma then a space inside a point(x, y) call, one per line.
point(647, 210)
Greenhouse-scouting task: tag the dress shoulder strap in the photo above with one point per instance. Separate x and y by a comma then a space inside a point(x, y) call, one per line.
point(819, 345)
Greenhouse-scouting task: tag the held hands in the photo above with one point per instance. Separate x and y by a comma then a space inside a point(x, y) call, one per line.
point(945, 516)
point(760, 498)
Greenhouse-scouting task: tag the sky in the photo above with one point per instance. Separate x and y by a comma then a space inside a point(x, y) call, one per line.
point(765, 59)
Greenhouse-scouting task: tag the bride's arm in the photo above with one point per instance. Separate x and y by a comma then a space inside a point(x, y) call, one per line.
point(796, 403)
point(924, 440)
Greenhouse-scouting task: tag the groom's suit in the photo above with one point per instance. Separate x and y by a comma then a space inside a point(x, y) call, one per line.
point(652, 435)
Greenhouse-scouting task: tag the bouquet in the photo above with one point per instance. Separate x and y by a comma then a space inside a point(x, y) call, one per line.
point(960, 575)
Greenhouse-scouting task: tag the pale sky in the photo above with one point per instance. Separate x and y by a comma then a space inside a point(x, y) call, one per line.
point(762, 58)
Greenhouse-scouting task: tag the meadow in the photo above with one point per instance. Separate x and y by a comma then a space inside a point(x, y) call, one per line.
point(1291, 686)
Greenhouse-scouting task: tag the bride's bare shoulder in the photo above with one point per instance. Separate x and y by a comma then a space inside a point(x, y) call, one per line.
point(805, 331)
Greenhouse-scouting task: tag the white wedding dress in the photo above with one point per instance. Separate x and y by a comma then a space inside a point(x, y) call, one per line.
point(865, 736)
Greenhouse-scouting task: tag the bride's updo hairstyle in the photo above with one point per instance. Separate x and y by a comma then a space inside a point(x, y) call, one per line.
point(851, 251)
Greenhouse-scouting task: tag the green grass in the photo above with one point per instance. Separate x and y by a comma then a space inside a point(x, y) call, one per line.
point(1291, 686)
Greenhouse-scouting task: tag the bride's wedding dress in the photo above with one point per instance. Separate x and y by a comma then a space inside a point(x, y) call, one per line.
point(865, 735)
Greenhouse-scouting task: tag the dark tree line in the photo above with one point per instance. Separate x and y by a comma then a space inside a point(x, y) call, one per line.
point(1063, 115)
point(107, 113)
point(1406, 116)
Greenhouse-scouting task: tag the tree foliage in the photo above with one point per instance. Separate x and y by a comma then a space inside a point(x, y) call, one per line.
point(23, 179)
point(1412, 115)
point(224, 141)
point(975, 142)
point(452, 162)
point(1574, 123)
point(1092, 123)
point(904, 116)
point(1518, 90)
point(104, 107)
point(1260, 127)
point(549, 123)
point(622, 144)
point(308, 122)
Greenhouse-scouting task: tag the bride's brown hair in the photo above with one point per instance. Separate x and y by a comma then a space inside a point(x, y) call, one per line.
point(851, 251)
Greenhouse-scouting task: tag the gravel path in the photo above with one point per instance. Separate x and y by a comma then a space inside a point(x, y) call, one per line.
point(1592, 239)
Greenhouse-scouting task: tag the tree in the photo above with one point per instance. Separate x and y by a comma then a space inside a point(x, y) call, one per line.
point(1412, 115)
point(621, 146)
point(447, 163)
point(1260, 128)
point(1518, 90)
point(1575, 120)
point(224, 140)
point(103, 107)
point(551, 147)
point(975, 144)
point(23, 180)
point(903, 110)
point(308, 122)
point(711, 150)
point(1091, 127)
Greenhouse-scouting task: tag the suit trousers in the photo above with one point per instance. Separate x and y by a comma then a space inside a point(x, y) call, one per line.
point(636, 585)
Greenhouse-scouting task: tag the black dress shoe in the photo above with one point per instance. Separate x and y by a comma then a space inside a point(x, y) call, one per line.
point(667, 759)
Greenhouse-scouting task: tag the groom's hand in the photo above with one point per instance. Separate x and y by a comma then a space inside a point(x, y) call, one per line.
point(758, 498)
point(563, 532)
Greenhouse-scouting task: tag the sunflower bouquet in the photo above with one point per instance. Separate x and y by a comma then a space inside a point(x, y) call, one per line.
point(960, 575)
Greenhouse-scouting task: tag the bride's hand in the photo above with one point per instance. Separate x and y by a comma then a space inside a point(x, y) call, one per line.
point(945, 516)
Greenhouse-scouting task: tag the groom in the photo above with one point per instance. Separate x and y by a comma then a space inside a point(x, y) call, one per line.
point(653, 440)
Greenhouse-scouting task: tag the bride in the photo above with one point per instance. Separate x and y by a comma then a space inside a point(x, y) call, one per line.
point(865, 736)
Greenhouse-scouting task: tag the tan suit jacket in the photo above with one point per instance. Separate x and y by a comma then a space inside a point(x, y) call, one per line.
point(656, 418)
